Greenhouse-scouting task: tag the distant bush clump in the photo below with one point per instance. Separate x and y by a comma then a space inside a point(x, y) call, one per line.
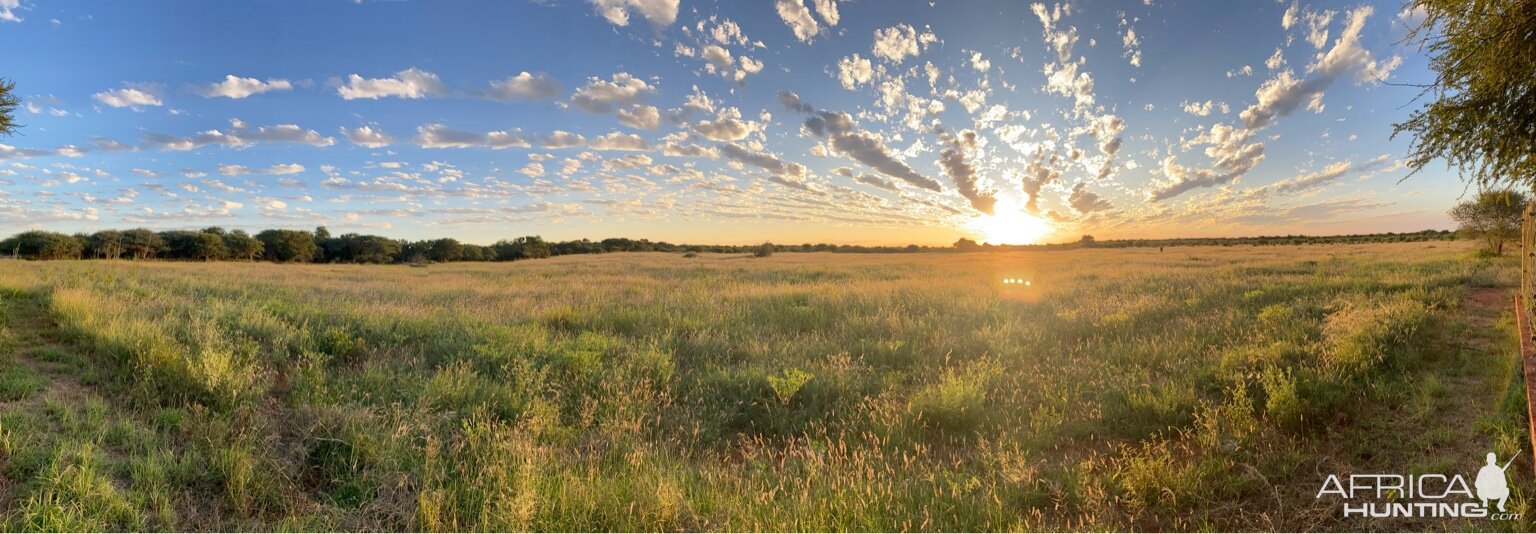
point(764, 250)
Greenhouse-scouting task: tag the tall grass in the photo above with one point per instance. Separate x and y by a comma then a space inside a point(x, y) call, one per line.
point(1121, 389)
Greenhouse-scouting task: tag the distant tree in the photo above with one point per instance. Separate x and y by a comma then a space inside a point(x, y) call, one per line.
point(9, 101)
point(474, 253)
point(764, 250)
point(142, 244)
point(368, 249)
point(1086, 241)
point(522, 248)
point(106, 244)
point(208, 246)
point(966, 243)
point(40, 245)
point(241, 246)
point(1482, 119)
point(446, 249)
point(1494, 217)
point(288, 245)
point(179, 244)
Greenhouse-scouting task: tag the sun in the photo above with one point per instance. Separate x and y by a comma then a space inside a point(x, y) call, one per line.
point(1010, 225)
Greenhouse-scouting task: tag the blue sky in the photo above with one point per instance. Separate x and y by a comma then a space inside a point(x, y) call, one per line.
point(886, 122)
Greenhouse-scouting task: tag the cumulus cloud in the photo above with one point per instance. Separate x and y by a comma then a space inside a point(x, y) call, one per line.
point(719, 61)
point(524, 87)
point(790, 171)
point(641, 116)
point(792, 102)
point(408, 83)
point(1281, 95)
point(798, 18)
point(619, 141)
point(8, 10)
point(659, 13)
point(827, 10)
point(275, 170)
point(440, 136)
point(954, 162)
point(239, 135)
point(367, 136)
point(854, 71)
point(132, 96)
point(1132, 43)
point(864, 147)
point(727, 126)
point(563, 139)
point(896, 43)
point(1201, 109)
point(236, 87)
point(607, 96)
point(1228, 147)
point(1085, 202)
point(1327, 175)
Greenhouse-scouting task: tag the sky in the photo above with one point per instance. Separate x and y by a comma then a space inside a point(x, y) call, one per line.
point(855, 122)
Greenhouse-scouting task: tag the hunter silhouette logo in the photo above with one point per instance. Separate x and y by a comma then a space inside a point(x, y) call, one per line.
point(1491, 483)
point(1424, 495)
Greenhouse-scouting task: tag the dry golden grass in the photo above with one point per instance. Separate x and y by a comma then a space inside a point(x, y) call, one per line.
point(1193, 388)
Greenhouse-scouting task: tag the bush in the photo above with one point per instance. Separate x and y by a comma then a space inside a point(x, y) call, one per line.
point(764, 250)
point(953, 404)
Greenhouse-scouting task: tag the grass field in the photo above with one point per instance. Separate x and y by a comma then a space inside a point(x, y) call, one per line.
point(1196, 388)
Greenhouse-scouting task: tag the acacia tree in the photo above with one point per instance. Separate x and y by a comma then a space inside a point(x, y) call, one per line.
point(8, 103)
point(1482, 116)
point(1494, 217)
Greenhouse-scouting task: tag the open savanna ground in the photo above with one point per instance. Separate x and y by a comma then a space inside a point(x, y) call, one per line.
point(1193, 388)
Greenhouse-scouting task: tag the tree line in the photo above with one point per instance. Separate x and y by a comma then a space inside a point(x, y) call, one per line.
point(320, 246)
point(301, 246)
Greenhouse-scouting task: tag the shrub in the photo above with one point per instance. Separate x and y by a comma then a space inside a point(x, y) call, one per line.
point(953, 404)
point(764, 250)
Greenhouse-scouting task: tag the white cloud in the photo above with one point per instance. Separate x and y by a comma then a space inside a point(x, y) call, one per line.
point(727, 126)
point(1281, 95)
point(659, 13)
point(275, 170)
point(563, 139)
point(827, 10)
point(980, 63)
point(600, 96)
point(367, 136)
point(854, 71)
point(641, 116)
point(524, 87)
point(239, 136)
point(440, 136)
point(798, 18)
point(131, 96)
point(1202, 109)
point(8, 10)
point(408, 83)
point(619, 141)
point(236, 87)
point(898, 42)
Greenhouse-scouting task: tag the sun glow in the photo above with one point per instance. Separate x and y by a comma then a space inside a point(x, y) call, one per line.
point(1010, 225)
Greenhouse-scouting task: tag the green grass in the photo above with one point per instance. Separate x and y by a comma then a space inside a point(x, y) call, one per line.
point(1122, 389)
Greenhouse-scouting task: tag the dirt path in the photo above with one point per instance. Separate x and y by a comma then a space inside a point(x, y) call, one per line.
point(1446, 419)
point(56, 423)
